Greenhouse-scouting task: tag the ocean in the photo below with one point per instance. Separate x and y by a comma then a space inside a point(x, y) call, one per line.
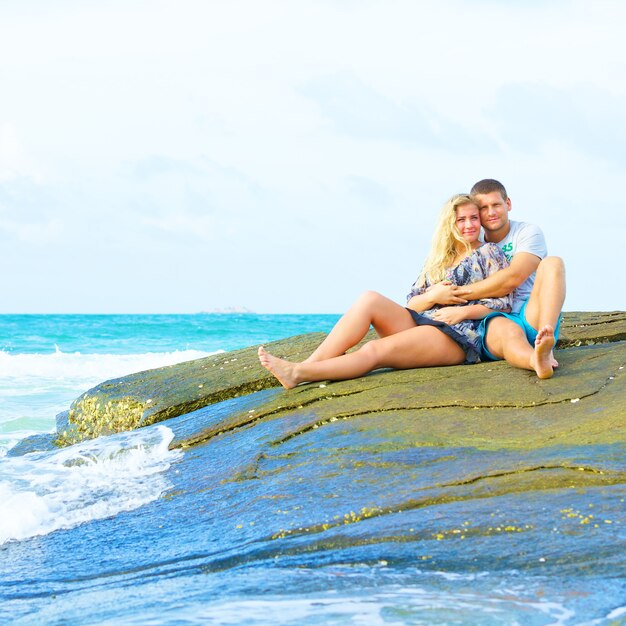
point(123, 530)
point(46, 361)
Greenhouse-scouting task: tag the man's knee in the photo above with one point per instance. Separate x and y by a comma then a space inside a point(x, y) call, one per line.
point(500, 332)
point(552, 265)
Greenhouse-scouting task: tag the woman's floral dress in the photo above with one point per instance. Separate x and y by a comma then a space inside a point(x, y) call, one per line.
point(483, 262)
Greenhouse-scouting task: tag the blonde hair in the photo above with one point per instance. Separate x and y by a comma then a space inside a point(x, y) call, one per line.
point(447, 243)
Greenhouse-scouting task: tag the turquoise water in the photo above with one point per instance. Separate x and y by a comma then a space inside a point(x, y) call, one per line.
point(123, 530)
point(132, 334)
point(46, 361)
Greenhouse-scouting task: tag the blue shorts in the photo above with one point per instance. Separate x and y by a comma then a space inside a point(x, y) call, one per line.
point(520, 319)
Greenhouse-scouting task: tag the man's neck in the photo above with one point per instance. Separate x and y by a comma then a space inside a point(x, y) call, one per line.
point(497, 236)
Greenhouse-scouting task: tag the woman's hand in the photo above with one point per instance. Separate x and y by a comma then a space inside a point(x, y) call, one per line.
point(447, 293)
point(451, 314)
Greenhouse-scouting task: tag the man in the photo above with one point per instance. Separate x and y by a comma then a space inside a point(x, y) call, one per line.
point(525, 337)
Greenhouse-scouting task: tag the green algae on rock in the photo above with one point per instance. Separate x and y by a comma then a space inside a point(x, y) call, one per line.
point(582, 328)
point(152, 396)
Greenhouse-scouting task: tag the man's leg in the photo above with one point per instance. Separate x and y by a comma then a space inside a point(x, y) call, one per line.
point(548, 294)
point(507, 340)
point(544, 306)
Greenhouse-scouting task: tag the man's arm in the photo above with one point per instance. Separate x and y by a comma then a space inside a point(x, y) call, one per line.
point(504, 281)
point(499, 284)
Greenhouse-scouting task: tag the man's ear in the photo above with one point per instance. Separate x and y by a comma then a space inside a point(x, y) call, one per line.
point(508, 204)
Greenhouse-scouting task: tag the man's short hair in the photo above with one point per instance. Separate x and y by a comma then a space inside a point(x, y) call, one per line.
point(487, 186)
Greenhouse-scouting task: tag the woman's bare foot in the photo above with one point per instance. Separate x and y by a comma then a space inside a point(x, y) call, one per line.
point(281, 369)
point(543, 360)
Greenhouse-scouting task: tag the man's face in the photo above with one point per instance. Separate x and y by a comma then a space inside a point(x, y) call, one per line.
point(494, 211)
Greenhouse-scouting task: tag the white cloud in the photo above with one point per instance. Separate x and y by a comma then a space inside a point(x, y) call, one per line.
point(32, 232)
point(14, 161)
point(327, 133)
point(190, 226)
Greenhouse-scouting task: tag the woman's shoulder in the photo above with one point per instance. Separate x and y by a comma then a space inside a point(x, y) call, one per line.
point(489, 250)
point(490, 257)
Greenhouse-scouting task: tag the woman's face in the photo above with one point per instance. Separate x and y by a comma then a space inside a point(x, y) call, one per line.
point(468, 222)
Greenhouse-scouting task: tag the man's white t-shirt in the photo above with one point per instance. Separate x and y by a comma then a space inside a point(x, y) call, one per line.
point(523, 237)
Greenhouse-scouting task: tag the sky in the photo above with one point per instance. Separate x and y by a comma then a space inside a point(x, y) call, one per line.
point(284, 156)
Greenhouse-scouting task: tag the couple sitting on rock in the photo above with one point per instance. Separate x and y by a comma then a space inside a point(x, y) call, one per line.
point(473, 301)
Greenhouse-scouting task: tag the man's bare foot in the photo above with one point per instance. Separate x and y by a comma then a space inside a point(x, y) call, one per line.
point(555, 363)
point(543, 360)
point(281, 369)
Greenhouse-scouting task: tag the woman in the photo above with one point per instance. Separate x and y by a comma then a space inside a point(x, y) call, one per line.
point(423, 334)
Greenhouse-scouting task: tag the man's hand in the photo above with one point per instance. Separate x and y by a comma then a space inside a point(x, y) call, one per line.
point(450, 314)
point(447, 293)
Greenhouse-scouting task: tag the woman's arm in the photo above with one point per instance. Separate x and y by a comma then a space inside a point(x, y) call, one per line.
point(420, 303)
point(424, 298)
point(454, 314)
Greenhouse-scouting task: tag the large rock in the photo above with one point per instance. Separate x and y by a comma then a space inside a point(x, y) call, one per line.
point(489, 405)
point(147, 397)
point(479, 489)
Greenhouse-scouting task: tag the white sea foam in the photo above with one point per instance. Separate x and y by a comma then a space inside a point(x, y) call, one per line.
point(35, 387)
point(44, 492)
point(59, 365)
point(423, 605)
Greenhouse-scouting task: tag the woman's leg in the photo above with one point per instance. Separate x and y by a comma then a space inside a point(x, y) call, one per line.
point(420, 346)
point(371, 308)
